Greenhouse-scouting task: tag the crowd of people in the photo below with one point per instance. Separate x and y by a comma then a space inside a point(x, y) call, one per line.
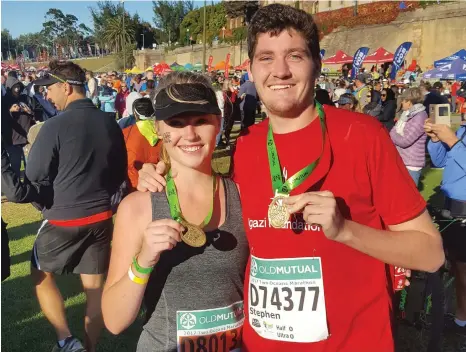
point(323, 189)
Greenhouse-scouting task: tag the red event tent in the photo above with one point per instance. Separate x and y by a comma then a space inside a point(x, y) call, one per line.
point(339, 58)
point(379, 57)
point(243, 66)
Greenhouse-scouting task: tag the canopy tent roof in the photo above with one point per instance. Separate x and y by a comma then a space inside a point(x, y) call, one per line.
point(453, 70)
point(221, 66)
point(460, 54)
point(175, 64)
point(178, 68)
point(188, 66)
point(379, 56)
point(339, 58)
point(243, 66)
point(198, 66)
point(162, 68)
point(135, 70)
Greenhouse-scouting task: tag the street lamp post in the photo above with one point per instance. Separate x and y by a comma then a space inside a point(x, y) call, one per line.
point(9, 47)
point(204, 38)
point(187, 36)
point(124, 38)
point(142, 41)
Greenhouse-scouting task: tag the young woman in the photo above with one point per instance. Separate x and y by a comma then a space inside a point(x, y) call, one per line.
point(185, 250)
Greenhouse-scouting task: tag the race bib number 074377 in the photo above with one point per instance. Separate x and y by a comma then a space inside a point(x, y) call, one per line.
point(286, 299)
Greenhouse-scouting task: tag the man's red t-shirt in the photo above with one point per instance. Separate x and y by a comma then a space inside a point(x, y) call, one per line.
point(362, 168)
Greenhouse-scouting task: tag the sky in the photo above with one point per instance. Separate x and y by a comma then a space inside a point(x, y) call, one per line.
point(21, 17)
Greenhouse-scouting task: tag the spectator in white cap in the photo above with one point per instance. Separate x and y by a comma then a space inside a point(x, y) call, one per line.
point(128, 118)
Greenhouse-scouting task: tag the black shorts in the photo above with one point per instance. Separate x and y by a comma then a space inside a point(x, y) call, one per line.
point(454, 241)
point(79, 249)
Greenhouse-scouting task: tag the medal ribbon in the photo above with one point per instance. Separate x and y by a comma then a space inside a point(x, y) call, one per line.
point(275, 169)
point(174, 204)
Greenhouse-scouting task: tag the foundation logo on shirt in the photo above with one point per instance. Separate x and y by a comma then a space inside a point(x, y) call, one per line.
point(253, 267)
point(188, 321)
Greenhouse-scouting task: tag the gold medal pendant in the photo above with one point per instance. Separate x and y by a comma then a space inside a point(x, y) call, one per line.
point(193, 235)
point(278, 214)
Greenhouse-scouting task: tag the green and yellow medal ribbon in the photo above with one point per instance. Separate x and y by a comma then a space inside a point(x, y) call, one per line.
point(174, 204)
point(278, 185)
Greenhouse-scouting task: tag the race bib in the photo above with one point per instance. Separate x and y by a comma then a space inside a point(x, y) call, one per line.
point(286, 299)
point(212, 330)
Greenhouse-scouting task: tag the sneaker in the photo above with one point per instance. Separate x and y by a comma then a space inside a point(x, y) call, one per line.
point(451, 326)
point(72, 344)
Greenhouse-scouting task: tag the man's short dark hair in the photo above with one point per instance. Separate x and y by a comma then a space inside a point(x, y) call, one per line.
point(437, 85)
point(13, 74)
point(69, 70)
point(276, 18)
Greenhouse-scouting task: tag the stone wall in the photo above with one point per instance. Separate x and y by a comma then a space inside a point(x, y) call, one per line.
point(436, 32)
point(192, 55)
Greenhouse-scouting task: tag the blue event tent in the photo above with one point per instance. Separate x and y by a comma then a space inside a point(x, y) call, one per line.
point(453, 70)
point(461, 54)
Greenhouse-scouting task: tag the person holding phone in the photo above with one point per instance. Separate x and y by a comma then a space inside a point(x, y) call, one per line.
point(447, 149)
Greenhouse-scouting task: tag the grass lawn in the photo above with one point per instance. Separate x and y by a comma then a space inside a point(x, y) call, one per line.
point(24, 327)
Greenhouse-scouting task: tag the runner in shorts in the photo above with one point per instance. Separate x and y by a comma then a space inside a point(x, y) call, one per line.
point(447, 149)
point(81, 154)
point(321, 218)
point(185, 250)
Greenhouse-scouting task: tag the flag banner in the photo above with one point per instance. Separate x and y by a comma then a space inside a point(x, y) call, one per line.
point(209, 67)
point(358, 59)
point(227, 66)
point(399, 58)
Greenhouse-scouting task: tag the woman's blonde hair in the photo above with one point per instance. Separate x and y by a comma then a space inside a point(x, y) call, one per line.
point(168, 83)
point(414, 95)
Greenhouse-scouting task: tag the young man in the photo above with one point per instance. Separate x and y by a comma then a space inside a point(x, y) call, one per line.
point(80, 153)
point(317, 280)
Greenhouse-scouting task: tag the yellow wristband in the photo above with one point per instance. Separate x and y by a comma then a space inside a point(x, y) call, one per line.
point(136, 279)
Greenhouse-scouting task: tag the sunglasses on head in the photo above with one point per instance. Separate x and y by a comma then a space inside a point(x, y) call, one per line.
point(384, 95)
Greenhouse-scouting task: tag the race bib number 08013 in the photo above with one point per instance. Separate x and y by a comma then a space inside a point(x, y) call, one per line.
point(211, 330)
point(286, 299)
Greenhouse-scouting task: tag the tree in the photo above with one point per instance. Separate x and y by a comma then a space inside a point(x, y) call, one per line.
point(168, 16)
point(235, 9)
point(115, 35)
point(105, 26)
point(63, 30)
point(126, 52)
point(216, 19)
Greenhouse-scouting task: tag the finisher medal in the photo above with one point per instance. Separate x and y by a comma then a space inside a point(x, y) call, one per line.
point(193, 235)
point(278, 213)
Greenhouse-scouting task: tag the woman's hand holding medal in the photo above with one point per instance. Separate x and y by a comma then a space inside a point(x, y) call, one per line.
point(159, 236)
point(319, 208)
